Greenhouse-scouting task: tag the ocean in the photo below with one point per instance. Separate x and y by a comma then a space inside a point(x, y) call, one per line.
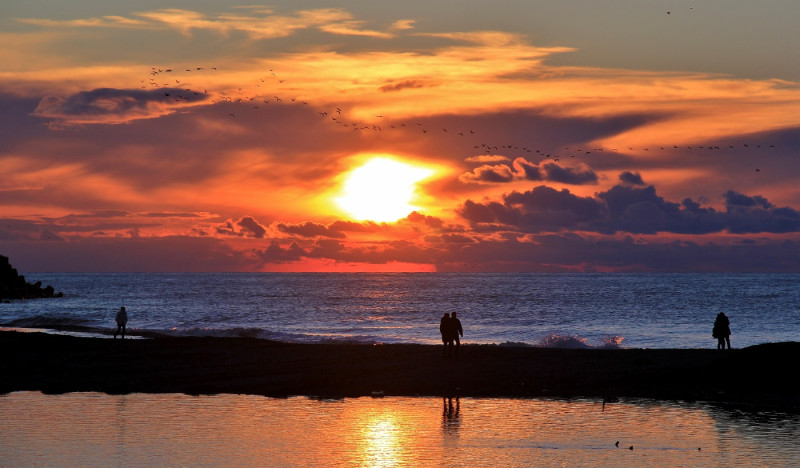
point(556, 310)
point(629, 310)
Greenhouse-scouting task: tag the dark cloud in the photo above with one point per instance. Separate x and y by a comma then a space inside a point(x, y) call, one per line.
point(228, 228)
point(756, 214)
point(489, 213)
point(247, 226)
point(451, 239)
point(569, 175)
point(734, 200)
point(48, 235)
point(130, 254)
point(558, 252)
point(310, 230)
point(331, 249)
point(545, 252)
point(277, 254)
point(490, 174)
point(96, 214)
point(627, 209)
point(641, 211)
point(528, 170)
point(545, 209)
point(17, 125)
point(407, 84)
point(419, 218)
point(525, 170)
point(71, 225)
point(395, 251)
point(109, 105)
point(572, 252)
point(21, 229)
point(251, 227)
point(631, 178)
point(338, 229)
point(171, 215)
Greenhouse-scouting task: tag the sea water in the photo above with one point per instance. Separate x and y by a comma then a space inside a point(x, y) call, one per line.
point(570, 310)
point(90, 429)
point(576, 310)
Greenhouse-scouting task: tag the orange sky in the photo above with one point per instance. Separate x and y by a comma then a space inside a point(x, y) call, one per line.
point(222, 139)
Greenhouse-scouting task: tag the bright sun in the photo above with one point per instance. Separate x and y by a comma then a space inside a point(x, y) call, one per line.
point(382, 189)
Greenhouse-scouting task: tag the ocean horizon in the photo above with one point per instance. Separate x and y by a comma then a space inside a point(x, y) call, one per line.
point(593, 310)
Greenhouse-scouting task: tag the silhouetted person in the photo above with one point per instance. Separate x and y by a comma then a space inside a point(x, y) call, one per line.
point(722, 331)
point(457, 331)
point(122, 319)
point(446, 330)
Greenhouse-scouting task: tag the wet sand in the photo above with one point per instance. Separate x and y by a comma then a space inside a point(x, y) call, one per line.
point(57, 364)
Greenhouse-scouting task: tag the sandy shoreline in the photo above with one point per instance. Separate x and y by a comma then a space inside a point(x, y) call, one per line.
point(58, 364)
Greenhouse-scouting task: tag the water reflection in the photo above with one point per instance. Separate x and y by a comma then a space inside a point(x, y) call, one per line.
point(450, 415)
point(382, 445)
point(89, 429)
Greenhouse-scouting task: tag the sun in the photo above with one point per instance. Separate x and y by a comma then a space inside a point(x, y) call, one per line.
point(382, 189)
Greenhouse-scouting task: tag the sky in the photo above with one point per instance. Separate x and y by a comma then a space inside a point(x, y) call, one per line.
point(414, 136)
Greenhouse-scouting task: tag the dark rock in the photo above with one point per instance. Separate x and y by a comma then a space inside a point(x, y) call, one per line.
point(14, 286)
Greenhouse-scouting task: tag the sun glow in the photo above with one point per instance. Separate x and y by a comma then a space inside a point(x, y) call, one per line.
point(383, 189)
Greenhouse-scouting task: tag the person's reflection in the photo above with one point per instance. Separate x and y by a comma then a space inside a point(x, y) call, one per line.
point(450, 414)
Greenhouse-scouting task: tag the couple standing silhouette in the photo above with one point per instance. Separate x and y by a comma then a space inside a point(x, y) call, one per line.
point(450, 327)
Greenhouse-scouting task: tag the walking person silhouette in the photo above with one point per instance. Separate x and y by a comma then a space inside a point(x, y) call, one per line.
point(122, 320)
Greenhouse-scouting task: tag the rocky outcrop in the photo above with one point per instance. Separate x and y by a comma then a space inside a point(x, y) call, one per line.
point(14, 286)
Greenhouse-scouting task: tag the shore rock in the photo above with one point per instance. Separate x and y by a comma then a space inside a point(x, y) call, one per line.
point(14, 286)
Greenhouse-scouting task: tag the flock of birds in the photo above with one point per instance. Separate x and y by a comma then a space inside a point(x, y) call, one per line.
point(172, 88)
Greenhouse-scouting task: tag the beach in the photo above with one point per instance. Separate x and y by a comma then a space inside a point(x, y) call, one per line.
point(57, 364)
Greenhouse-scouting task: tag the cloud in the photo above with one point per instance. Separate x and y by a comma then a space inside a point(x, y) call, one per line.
point(631, 178)
point(578, 175)
point(403, 24)
point(246, 226)
point(338, 229)
point(113, 106)
point(172, 215)
point(486, 158)
point(640, 210)
point(251, 227)
point(544, 252)
point(488, 174)
point(311, 230)
point(554, 252)
point(259, 23)
point(526, 170)
point(353, 28)
point(107, 21)
point(405, 84)
point(492, 39)
point(627, 209)
point(756, 214)
point(559, 252)
point(277, 254)
point(131, 254)
point(419, 218)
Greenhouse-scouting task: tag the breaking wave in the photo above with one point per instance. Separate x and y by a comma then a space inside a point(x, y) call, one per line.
point(579, 342)
point(49, 321)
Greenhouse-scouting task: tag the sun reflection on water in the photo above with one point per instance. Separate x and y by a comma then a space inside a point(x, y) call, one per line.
point(89, 429)
point(381, 441)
